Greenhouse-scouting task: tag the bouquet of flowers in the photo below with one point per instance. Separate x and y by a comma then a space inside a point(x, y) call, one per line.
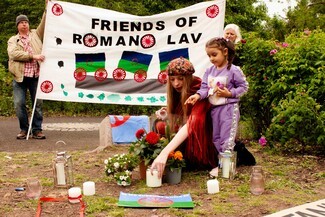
point(148, 146)
point(120, 166)
point(175, 160)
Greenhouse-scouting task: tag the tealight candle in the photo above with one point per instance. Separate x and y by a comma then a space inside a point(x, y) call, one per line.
point(88, 188)
point(213, 186)
point(152, 180)
point(74, 194)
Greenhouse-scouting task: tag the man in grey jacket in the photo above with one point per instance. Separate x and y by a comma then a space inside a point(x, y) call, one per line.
point(24, 51)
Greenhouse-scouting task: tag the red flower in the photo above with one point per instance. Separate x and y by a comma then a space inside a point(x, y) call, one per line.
point(139, 133)
point(152, 138)
point(243, 41)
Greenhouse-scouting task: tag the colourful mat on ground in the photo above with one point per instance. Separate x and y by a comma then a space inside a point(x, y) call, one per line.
point(157, 201)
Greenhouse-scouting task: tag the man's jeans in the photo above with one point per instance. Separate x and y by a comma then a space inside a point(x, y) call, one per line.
point(20, 94)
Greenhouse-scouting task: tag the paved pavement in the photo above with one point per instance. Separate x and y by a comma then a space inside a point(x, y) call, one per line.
point(62, 134)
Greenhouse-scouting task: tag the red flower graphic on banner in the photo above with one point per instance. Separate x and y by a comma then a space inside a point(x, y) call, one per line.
point(90, 40)
point(57, 9)
point(140, 75)
point(119, 74)
point(212, 11)
point(46, 86)
point(80, 74)
point(163, 76)
point(148, 41)
point(101, 74)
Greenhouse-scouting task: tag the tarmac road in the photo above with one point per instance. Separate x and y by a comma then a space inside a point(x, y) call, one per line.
point(77, 133)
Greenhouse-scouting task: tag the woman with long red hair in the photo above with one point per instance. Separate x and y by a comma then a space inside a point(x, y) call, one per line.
point(192, 123)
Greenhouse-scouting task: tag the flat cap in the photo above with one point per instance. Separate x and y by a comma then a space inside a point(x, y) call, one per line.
point(20, 18)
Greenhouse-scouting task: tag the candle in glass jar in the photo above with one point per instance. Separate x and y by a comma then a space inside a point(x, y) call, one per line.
point(225, 167)
point(213, 186)
point(152, 180)
point(88, 188)
point(60, 174)
point(74, 194)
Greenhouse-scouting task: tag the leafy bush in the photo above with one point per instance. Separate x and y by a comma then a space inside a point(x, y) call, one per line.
point(6, 105)
point(287, 80)
point(298, 126)
point(258, 66)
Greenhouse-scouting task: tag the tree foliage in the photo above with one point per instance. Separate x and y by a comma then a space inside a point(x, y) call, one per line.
point(308, 14)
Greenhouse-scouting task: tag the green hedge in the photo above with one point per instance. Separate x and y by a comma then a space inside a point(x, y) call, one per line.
point(287, 90)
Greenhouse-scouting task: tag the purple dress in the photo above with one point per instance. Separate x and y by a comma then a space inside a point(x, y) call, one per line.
point(225, 116)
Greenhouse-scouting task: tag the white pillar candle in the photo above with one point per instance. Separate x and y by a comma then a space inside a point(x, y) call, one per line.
point(60, 175)
point(213, 186)
point(88, 188)
point(225, 167)
point(152, 180)
point(74, 194)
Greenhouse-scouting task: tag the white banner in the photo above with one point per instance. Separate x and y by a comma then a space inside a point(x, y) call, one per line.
point(95, 55)
point(314, 209)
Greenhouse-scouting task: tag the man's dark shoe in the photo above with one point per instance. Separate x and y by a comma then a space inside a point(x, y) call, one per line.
point(38, 135)
point(22, 135)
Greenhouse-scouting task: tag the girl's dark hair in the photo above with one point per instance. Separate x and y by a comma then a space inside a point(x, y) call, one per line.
point(222, 43)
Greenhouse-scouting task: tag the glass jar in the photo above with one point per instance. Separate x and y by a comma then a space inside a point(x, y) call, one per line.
point(257, 180)
point(62, 170)
point(227, 164)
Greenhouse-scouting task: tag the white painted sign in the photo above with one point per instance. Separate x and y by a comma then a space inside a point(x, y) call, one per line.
point(96, 55)
point(315, 209)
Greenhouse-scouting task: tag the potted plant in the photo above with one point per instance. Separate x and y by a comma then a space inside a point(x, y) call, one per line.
point(174, 165)
point(120, 166)
point(147, 147)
